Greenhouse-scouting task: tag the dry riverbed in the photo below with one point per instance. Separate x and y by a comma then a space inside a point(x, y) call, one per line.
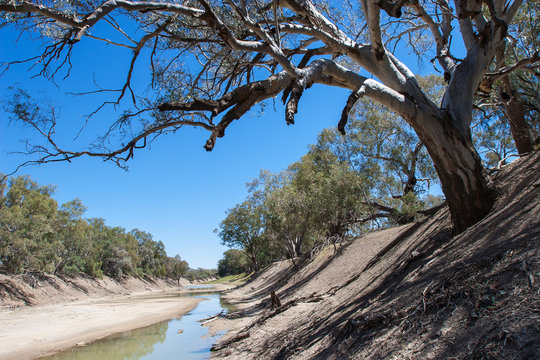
point(58, 322)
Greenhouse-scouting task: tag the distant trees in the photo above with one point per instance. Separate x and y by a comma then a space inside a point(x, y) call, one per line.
point(201, 274)
point(243, 229)
point(319, 197)
point(234, 262)
point(290, 213)
point(176, 268)
point(151, 253)
point(37, 235)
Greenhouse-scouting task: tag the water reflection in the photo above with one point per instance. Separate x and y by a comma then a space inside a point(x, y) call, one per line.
point(159, 341)
point(200, 286)
point(225, 305)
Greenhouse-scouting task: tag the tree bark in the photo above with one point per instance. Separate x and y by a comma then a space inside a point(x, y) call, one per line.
point(465, 182)
point(513, 108)
point(298, 247)
point(254, 261)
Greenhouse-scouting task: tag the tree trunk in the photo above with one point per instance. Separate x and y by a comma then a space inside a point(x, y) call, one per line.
point(410, 185)
point(255, 263)
point(513, 108)
point(298, 246)
point(465, 183)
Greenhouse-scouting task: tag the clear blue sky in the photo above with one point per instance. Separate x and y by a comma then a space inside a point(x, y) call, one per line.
point(174, 190)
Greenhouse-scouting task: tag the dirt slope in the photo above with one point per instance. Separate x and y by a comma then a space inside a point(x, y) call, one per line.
point(43, 289)
point(412, 292)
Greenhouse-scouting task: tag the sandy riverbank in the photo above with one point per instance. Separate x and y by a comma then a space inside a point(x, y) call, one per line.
point(30, 332)
point(43, 314)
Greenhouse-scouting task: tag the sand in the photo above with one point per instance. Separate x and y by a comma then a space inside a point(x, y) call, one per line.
point(30, 332)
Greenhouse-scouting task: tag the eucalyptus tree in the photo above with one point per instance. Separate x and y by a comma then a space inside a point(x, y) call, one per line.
point(75, 249)
point(234, 262)
point(315, 198)
point(333, 189)
point(150, 254)
point(175, 267)
point(246, 52)
point(388, 156)
point(27, 227)
point(243, 229)
point(511, 86)
point(495, 138)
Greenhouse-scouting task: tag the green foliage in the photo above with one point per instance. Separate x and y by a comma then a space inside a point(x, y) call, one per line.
point(201, 274)
point(320, 198)
point(27, 225)
point(151, 254)
point(493, 138)
point(234, 262)
point(243, 229)
point(175, 267)
point(37, 235)
point(384, 151)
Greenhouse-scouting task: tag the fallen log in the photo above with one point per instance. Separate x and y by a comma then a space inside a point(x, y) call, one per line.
point(211, 318)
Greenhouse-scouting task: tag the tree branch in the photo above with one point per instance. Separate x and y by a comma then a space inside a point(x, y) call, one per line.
point(519, 65)
point(101, 11)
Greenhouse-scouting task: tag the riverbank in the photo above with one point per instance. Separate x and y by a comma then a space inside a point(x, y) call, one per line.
point(35, 331)
point(43, 314)
point(33, 289)
point(411, 292)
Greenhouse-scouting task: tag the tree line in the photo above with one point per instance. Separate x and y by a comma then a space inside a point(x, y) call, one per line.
point(38, 235)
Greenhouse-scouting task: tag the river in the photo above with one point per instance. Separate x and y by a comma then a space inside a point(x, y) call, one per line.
point(183, 338)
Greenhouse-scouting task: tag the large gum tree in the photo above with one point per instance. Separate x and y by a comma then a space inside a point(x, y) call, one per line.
point(212, 61)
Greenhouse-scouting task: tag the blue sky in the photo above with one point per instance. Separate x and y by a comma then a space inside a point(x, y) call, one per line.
point(174, 190)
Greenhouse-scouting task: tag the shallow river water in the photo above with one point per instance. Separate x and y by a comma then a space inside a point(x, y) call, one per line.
point(182, 338)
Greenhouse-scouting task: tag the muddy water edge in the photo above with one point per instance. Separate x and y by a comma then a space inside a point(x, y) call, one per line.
point(181, 338)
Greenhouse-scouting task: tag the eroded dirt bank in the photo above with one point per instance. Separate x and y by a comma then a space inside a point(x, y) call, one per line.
point(412, 292)
point(42, 289)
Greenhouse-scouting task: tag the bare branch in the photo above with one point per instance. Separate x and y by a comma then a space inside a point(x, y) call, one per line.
point(353, 98)
point(441, 38)
point(103, 10)
point(136, 53)
point(523, 64)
